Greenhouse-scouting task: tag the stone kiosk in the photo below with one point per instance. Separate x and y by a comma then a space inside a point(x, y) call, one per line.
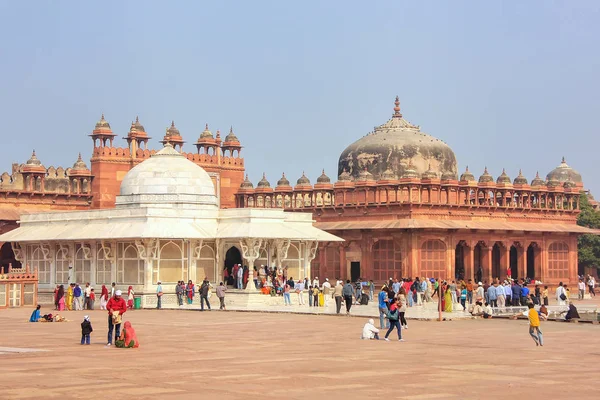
point(166, 226)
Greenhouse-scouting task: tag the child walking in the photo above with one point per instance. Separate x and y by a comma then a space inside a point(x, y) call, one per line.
point(534, 325)
point(86, 329)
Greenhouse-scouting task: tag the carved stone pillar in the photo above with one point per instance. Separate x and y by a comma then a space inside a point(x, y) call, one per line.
point(250, 251)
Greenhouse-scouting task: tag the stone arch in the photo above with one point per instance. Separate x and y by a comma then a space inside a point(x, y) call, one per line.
point(170, 262)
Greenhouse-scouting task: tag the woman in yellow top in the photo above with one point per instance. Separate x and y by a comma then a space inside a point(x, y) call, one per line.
point(69, 299)
point(315, 294)
point(545, 295)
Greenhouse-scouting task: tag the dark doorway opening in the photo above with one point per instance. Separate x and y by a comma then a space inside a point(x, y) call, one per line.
point(7, 256)
point(459, 262)
point(495, 262)
point(531, 261)
point(514, 261)
point(232, 257)
point(354, 271)
point(477, 260)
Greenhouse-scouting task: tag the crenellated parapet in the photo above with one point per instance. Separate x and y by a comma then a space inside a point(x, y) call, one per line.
point(410, 189)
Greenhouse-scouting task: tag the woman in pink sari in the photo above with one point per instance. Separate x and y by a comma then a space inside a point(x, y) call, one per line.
point(60, 295)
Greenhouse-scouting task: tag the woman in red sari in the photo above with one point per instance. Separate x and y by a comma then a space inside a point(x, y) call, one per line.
point(130, 294)
point(190, 292)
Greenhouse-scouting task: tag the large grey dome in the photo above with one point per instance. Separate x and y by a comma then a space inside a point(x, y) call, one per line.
point(167, 179)
point(394, 145)
point(564, 173)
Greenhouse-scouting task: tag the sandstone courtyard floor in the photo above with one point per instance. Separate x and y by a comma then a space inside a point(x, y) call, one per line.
point(239, 355)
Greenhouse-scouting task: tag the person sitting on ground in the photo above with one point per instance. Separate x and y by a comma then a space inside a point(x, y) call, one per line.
point(543, 312)
point(128, 339)
point(369, 331)
point(487, 311)
point(35, 315)
point(572, 313)
point(476, 309)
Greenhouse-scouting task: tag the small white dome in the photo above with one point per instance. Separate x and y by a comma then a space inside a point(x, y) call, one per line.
point(167, 179)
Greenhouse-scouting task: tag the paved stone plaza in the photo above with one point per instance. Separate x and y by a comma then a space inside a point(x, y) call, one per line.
point(234, 355)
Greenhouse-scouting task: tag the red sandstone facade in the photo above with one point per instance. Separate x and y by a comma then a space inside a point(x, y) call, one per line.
point(406, 223)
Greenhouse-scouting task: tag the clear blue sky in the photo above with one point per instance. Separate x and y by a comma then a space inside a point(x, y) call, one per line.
point(504, 83)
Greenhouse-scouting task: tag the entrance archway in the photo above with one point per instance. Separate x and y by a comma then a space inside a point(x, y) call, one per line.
point(514, 261)
point(531, 267)
point(232, 257)
point(496, 255)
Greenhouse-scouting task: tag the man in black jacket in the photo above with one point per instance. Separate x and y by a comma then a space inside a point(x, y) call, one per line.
point(204, 289)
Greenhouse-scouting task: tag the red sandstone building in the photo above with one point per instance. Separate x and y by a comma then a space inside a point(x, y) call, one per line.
point(404, 212)
point(398, 203)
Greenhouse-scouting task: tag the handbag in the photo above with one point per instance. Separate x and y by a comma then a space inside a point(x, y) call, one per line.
point(159, 294)
point(563, 297)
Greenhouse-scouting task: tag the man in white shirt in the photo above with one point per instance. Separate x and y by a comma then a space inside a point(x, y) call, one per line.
point(315, 282)
point(560, 291)
point(581, 286)
point(240, 277)
point(326, 291)
point(369, 331)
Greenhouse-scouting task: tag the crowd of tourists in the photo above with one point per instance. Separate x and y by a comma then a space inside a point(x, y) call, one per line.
point(76, 298)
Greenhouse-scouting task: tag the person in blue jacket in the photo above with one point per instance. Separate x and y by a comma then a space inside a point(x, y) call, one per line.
point(35, 315)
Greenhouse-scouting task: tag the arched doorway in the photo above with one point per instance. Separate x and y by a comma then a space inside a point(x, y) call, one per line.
point(531, 267)
point(232, 257)
point(477, 259)
point(7, 256)
point(514, 261)
point(459, 262)
point(496, 256)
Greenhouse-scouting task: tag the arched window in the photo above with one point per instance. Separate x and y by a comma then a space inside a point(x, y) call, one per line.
point(62, 266)
point(103, 268)
point(558, 260)
point(36, 260)
point(205, 266)
point(433, 259)
point(171, 262)
point(83, 267)
point(130, 268)
point(387, 260)
point(293, 261)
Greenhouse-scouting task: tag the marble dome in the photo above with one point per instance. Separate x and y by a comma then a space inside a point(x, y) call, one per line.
point(394, 145)
point(167, 179)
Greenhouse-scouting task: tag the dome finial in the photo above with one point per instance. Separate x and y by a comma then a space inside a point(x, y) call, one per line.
point(137, 119)
point(172, 123)
point(397, 108)
point(563, 160)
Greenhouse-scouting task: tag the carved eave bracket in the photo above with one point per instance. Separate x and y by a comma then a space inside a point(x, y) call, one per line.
point(109, 250)
point(17, 251)
point(196, 245)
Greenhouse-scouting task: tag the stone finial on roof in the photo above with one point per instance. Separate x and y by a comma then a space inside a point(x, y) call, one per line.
point(397, 113)
point(537, 181)
point(486, 177)
point(206, 134)
point(231, 136)
point(429, 174)
point(303, 180)
point(283, 181)
point(79, 164)
point(102, 123)
point(247, 184)
point(33, 160)
point(323, 178)
point(263, 183)
point(520, 179)
point(503, 178)
point(345, 176)
point(467, 176)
